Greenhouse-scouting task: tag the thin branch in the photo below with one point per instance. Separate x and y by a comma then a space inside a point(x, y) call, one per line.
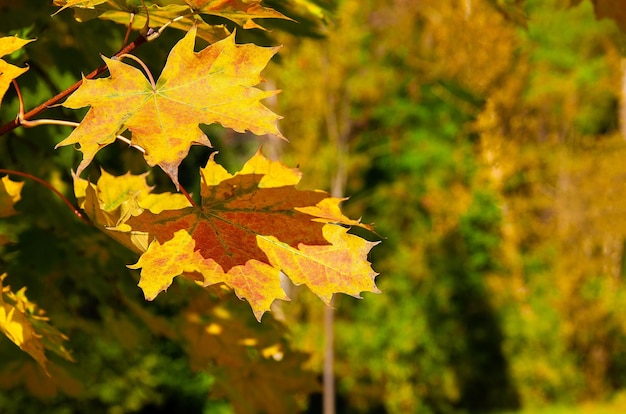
point(338, 130)
point(130, 28)
point(153, 34)
point(59, 97)
point(146, 27)
point(29, 124)
point(50, 187)
point(147, 34)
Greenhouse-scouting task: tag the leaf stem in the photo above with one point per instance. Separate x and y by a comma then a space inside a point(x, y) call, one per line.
point(30, 124)
point(186, 194)
point(50, 187)
point(143, 65)
point(60, 96)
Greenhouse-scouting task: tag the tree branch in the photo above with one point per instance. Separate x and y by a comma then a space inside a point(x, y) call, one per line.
point(51, 188)
point(59, 97)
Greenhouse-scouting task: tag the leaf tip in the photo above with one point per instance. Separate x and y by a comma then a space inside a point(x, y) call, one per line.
point(171, 169)
point(258, 315)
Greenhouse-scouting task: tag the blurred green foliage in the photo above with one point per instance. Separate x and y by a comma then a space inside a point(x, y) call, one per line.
point(484, 143)
point(481, 138)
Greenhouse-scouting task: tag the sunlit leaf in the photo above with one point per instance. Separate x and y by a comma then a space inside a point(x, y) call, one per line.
point(9, 72)
point(213, 85)
point(249, 228)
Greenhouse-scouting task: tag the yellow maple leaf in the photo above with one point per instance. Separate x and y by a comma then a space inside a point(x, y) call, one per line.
point(242, 12)
point(178, 14)
point(76, 3)
point(340, 267)
point(27, 327)
point(255, 281)
point(114, 199)
point(9, 72)
point(215, 85)
point(10, 193)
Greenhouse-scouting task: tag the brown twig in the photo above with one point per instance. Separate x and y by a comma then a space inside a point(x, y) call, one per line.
point(31, 124)
point(130, 29)
point(50, 187)
point(59, 97)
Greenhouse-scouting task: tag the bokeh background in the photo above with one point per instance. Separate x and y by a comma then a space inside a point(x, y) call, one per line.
point(484, 142)
point(485, 139)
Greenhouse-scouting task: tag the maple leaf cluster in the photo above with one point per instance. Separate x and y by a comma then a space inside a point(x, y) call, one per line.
point(178, 14)
point(251, 227)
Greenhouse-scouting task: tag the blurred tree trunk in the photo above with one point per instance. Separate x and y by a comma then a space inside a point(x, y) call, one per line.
point(338, 128)
point(622, 105)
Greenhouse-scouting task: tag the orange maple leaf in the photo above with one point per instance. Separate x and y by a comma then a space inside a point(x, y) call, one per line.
point(250, 227)
point(213, 85)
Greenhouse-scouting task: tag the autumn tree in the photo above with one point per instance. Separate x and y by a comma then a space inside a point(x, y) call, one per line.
point(484, 143)
point(139, 195)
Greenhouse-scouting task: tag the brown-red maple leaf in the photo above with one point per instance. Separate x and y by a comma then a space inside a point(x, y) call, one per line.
point(249, 228)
